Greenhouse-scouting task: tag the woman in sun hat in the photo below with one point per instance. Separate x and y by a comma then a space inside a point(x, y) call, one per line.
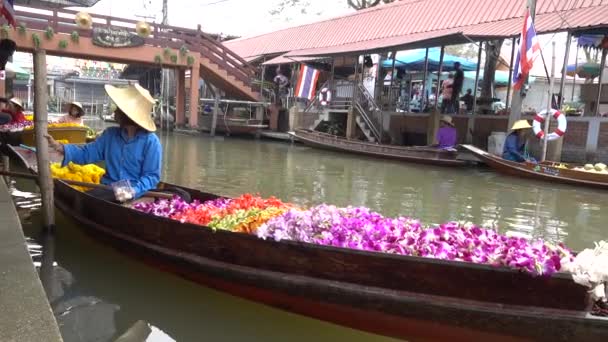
point(515, 144)
point(132, 152)
point(74, 115)
point(15, 110)
point(446, 135)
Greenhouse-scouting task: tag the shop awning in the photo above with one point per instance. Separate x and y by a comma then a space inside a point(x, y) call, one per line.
point(13, 70)
point(415, 60)
point(284, 59)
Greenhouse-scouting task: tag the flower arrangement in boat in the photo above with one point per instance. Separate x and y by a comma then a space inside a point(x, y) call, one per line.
point(362, 229)
point(90, 173)
point(58, 125)
point(16, 127)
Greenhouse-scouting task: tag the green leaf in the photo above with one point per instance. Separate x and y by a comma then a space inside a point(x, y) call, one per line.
point(75, 36)
point(49, 33)
point(63, 44)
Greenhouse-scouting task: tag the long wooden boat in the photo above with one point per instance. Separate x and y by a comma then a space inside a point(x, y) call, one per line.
point(543, 171)
point(234, 126)
point(421, 155)
point(413, 298)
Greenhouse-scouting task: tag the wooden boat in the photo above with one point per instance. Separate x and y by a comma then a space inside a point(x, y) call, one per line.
point(234, 126)
point(413, 298)
point(422, 155)
point(543, 171)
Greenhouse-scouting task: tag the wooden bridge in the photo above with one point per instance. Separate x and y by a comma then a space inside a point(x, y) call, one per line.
point(181, 49)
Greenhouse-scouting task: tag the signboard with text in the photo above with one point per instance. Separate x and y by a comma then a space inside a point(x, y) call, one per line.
point(116, 38)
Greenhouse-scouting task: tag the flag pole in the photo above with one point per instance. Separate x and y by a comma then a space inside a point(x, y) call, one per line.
point(549, 105)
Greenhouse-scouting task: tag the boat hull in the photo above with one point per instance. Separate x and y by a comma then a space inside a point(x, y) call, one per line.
point(420, 155)
point(544, 172)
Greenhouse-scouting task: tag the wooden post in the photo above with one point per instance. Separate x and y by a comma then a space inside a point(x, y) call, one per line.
point(433, 122)
point(575, 67)
point(216, 109)
point(424, 80)
point(599, 85)
point(45, 180)
point(510, 82)
point(471, 121)
point(180, 97)
point(548, 116)
point(194, 95)
point(390, 87)
point(438, 90)
point(562, 83)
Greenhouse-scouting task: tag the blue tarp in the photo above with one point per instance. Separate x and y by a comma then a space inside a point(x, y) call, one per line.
point(414, 60)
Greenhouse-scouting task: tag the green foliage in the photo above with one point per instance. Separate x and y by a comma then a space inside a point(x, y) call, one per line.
point(158, 59)
point(173, 58)
point(167, 52)
point(63, 44)
point(183, 51)
point(190, 60)
point(36, 40)
point(22, 29)
point(49, 33)
point(75, 36)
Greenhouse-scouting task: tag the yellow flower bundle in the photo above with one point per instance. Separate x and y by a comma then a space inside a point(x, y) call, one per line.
point(58, 125)
point(29, 117)
point(89, 173)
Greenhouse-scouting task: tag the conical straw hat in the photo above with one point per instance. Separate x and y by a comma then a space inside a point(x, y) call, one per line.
point(17, 101)
point(521, 124)
point(77, 104)
point(136, 102)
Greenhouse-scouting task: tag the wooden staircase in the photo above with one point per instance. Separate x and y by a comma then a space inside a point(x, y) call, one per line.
point(214, 62)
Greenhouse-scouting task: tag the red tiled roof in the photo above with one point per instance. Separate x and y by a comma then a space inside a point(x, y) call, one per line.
point(396, 24)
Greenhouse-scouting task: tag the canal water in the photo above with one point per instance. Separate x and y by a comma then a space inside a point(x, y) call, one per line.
point(127, 291)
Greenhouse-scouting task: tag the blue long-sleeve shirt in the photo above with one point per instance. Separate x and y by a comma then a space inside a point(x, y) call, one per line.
point(136, 159)
point(514, 149)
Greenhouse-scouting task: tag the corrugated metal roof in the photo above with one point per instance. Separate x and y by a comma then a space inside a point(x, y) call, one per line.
point(394, 23)
point(286, 59)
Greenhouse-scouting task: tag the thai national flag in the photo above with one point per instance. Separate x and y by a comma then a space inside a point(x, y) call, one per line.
point(528, 50)
point(307, 82)
point(8, 11)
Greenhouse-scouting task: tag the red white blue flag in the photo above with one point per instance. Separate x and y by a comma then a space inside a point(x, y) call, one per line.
point(307, 82)
point(528, 50)
point(8, 11)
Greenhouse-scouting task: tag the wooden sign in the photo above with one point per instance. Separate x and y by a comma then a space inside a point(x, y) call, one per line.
point(115, 38)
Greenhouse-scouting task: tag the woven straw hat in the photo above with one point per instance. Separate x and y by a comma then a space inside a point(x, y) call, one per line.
point(136, 102)
point(447, 119)
point(521, 124)
point(17, 101)
point(78, 105)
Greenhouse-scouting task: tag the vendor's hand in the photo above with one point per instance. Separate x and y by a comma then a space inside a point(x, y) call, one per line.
point(53, 144)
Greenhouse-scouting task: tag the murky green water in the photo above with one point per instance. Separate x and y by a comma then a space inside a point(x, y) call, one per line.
point(188, 312)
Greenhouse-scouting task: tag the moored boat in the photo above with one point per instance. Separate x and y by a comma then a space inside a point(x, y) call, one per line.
point(401, 296)
point(551, 172)
point(422, 155)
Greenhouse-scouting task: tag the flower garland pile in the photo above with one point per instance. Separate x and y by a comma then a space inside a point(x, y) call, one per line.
point(90, 173)
point(57, 125)
point(360, 228)
point(16, 127)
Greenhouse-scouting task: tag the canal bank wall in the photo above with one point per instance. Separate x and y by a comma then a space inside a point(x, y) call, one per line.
point(24, 309)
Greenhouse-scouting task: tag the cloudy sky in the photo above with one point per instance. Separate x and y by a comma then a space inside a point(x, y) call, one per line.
point(234, 17)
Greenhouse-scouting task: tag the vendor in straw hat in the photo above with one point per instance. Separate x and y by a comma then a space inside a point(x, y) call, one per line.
point(14, 110)
point(74, 115)
point(131, 151)
point(515, 144)
point(446, 134)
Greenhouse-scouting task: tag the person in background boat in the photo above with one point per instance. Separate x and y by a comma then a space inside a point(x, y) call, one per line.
point(457, 85)
point(468, 100)
point(15, 110)
point(5, 118)
point(447, 106)
point(131, 151)
point(515, 143)
point(446, 135)
point(74, 115)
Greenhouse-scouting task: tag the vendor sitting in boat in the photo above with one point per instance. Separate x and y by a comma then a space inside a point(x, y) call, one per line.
point(74, 115)
point(515, 144)
point(14, 113)
point(131, 151)
point(446, 135)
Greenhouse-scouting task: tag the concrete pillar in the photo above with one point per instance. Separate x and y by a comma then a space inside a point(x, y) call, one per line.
point(180, 97)
point(432, 126)
point(351, 124)
point(194, 96)
point(294, 115)
point(274, 117)
point(593, 135)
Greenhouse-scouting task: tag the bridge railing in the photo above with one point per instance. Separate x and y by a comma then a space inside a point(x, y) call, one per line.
point(62, 21)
